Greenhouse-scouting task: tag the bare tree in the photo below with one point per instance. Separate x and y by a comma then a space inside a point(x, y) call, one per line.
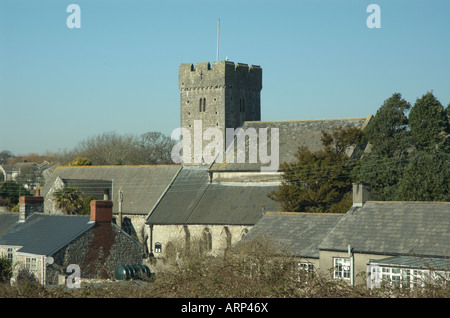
point(153, 148)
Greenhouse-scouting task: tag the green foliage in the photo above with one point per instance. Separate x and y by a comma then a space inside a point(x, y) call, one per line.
point(428, 122)
point(10, 192)
point(407, 162)
point(69, 199)
point(319, 181)
point(86, 210)
point(5, 269)
point(388, 132)
point(80, 161)
point(426, 177)
point(382, 173)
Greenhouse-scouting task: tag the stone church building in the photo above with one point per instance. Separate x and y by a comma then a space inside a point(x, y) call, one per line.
point(209, 204)
point(214, 204)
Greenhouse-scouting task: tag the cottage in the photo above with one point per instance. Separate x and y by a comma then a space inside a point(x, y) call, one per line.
point(397, 242)
point(373, 232)
point(299, 234)
point(134, 190)
point(43, 246)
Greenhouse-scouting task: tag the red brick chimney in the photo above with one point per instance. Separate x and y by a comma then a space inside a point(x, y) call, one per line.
point(29, 205)
point(101, 211)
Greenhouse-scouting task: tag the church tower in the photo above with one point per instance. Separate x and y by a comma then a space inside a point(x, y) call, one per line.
point(222, 96)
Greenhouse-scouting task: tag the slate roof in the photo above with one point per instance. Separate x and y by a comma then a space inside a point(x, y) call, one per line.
point(142, 185)
point(44, 234)
point(191, 199)
point(298, 233)
point(7, 222)
point(394, 228)
point(292, 134)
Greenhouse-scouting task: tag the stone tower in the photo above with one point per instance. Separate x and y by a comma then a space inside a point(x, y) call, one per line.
point(222, 96)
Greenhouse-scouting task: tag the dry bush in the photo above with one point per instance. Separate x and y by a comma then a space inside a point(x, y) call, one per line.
point(255, 269)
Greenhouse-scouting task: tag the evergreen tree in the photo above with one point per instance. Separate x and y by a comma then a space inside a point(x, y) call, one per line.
point(426, 177)
point(428, 122)
point(387, 132)
point(390, 143)
point(319, 181)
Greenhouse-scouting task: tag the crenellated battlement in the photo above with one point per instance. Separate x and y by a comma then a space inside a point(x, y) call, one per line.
point(220, 73)
point(206, 66)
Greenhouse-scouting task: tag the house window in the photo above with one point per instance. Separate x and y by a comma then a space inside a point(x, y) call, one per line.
point(10, 254)
point(30, 263)
point(158, 247)
point(307, 267)
point(342, 268)
point(304, 269)
point(392, 275)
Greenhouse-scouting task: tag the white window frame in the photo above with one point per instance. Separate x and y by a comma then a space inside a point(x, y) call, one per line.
point(31, 263)
point(341, 267)
point(304, 268)
point(402, 277)
point(10, 254)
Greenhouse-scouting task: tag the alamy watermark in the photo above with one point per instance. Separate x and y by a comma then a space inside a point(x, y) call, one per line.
point(251, 146)
point(374, 19)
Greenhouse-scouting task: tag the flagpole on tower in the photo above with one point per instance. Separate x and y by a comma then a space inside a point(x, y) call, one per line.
point(218, 30)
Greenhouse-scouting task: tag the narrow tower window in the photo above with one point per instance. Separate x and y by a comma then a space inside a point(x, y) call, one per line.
point(202, 105)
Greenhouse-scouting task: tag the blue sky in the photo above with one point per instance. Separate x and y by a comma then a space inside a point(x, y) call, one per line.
point(119, 71)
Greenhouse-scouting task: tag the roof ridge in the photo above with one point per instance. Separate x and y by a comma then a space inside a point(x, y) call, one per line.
point(303, 120)
point(118, 166)
point(410, 202)
point(304, 213)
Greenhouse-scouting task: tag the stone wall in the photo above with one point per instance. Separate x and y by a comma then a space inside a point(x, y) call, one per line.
point(175, 239)
point(98, 252)
point(222, 96)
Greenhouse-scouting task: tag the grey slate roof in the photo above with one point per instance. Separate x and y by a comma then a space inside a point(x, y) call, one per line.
point(191, 199)
point(394, 228)
point(7, 222)
point(142, 185)
point(299, 233)
point(292, 134)
point(44, 234)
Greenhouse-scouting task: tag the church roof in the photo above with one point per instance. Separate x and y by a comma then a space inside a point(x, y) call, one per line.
point(191, 199)
point(292, 134)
